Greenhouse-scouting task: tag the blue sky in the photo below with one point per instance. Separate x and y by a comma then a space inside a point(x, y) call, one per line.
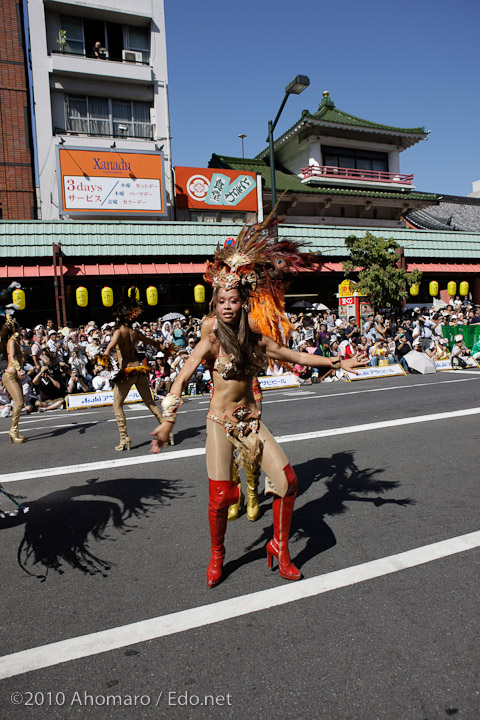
point(407, 64)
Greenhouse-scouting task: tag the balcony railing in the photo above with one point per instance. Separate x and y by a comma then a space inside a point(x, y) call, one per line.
point(89, 56)
point(135, 131)
point(338, 173)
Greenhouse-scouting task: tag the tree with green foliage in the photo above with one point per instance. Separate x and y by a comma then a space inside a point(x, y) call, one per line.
point(376, 260)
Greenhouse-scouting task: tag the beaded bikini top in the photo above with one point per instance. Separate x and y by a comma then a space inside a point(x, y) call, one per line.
point(226, 367)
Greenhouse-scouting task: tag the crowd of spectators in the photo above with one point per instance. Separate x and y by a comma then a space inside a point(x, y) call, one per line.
point(386, 337)
point(61, 361)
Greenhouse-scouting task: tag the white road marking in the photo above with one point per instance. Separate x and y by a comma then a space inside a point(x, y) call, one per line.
point(314, 396)
point(472, 372)
point(165, 625)
point(296, 393)
point(181, 454)
point(370, 390)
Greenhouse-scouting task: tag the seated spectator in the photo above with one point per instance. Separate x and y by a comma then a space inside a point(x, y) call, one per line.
point(475, 351)
point(334, 350)
point(93, 347)
point(351, 349)
point(379, 352)
point(6, 402)
point(177, 363)
point(160, 382)
point(352, 330)
point(300, 371)
point(475, 319)
point(402, 347)
point(363, 344)
point(460, 353)
point(380, 329)
point(76, 384)
point(167, 332)
point(49, 385)
point(191, 342)
point(29, 394)
point(439, 349)
point(53, 342)
point(390, 345)
point(323, 336)
point(339, 329)
point(101, 378)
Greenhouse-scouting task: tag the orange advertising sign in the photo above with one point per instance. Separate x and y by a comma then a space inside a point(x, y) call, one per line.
point(215, 189)
point(114, 181)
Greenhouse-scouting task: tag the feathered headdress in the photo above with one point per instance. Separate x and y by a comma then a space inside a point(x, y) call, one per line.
point(262, 263)
point(129, 307)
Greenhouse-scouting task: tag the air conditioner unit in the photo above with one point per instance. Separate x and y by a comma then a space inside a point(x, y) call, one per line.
point(132, 56)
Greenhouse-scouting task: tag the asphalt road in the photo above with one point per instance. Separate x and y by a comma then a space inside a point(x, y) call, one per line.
point(115, 547)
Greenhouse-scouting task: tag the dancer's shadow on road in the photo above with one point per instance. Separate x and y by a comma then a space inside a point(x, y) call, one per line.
point(46, 433)
point(61, 526)
point(345, 482)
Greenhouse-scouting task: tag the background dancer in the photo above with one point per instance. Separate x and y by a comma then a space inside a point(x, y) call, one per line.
point(251, 272)
point(131, 372)
point(13, 354)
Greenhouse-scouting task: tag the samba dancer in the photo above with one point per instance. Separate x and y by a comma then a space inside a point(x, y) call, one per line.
point(248, 276)
point(13, 354)
point(252, 472)
point(131, 372)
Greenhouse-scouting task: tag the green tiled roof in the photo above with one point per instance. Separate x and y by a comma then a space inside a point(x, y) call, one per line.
point(289, 181)
point(327, 112)
point(23, 242)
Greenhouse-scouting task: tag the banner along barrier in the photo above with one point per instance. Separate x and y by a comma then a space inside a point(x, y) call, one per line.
point(79, 401)
point(443, 365)
point(367, 373)
point(274, 382)
point(471, 362)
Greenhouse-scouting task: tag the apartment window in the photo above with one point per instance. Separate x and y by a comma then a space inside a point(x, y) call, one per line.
point(83, 33)
point(358, 159)
point(137, 40)
point(73, 28)
point(88, 115)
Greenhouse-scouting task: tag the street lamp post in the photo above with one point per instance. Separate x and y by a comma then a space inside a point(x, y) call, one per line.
point(242, 137)
point(298, 85)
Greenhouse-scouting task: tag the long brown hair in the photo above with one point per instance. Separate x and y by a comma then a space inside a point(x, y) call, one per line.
point(9, 328)
point(239, 339)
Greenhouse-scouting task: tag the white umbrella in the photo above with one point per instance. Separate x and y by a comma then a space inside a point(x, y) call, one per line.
point(420, 362)
point(320, 306)
point(173, 316)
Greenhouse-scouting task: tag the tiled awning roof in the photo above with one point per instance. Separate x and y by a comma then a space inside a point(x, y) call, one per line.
point(92, 269)
point(445, 267)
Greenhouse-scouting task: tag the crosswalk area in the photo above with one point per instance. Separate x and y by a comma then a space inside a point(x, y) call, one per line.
point(387, 494)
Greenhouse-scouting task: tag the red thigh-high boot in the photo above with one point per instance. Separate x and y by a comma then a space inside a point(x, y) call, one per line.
point(221, 494)
point(282, 519)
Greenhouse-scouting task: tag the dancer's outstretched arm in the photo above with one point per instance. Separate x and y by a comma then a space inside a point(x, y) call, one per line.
point(161, 433)
point(275, 351)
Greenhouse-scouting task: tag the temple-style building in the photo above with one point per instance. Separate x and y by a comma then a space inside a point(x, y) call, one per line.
point(337, 169)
